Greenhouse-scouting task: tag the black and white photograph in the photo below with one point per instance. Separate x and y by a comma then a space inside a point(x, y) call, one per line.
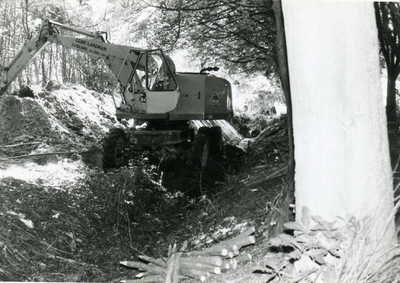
point(183, 141)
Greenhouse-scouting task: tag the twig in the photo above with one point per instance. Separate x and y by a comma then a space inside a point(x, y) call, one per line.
point(44, 154)
point(397, 165)
point(170, 268)
point(157, 270)
point(20, 144)
point(149, 279)
point(280, 153)
point(68, 260)
point(175, 274)
point(261, 178)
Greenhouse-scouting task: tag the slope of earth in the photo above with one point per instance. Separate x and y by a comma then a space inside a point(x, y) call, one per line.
point(68, 119)
point(65, 219)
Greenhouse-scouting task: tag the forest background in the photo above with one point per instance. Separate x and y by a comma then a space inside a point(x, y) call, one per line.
point(235, 36)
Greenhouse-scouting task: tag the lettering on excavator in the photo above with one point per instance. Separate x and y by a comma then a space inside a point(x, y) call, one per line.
point(90, 44)
point(80, 47)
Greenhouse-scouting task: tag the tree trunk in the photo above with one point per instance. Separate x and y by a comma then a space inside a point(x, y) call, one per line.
point(64, 65)
point(284, 76)
point(44, 78)
point(50, 68)
point(391, 98)
point(37, 73)
point(341, 143)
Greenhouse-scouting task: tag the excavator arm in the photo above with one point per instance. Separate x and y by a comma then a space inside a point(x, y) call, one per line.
point(122, 60)
point(25, 55)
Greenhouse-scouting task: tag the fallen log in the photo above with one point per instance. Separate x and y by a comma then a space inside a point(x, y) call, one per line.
point(243, 239)
point(211, 260)
point(227, 264)
point(201, 266)
point(149, 279)
point(196, 274)
point(229, 133)
point(143, 274)
point(218, 251)
point(242, 259)
point(172, 264)
point(157, 261)
point(175, 275)
point(155, 269)
point(228, 248)
point(262, 177)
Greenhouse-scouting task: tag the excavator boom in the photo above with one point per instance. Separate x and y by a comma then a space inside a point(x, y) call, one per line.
point(96, 47)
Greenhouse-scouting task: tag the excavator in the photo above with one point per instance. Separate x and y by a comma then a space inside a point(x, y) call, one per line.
point(153, 94)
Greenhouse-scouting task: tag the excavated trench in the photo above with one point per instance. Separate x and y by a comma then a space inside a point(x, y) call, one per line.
point(193, 178)
point(186, 168)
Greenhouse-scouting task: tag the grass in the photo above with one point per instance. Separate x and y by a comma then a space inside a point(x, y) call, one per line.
point(80, 231)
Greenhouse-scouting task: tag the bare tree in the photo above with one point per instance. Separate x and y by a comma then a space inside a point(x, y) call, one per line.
point(388, 23)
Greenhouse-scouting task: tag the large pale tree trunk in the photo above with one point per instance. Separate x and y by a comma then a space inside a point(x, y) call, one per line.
point(341, 144)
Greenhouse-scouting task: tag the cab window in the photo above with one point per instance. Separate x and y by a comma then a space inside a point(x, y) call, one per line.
point(159, 74)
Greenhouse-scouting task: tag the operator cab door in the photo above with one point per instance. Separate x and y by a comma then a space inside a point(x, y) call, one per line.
point(162, 91)
point(134, 92)
point(139, 85)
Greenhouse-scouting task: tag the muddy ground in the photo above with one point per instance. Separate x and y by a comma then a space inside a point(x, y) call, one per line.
point(64, 219)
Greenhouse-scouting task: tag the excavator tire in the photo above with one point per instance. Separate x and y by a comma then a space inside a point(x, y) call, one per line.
point(216, 140)
point(214, 135)
point(114, 147)
point(210, 140)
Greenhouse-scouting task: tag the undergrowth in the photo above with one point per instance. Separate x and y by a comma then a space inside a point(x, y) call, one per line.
point(315, 250)
point(81, 231)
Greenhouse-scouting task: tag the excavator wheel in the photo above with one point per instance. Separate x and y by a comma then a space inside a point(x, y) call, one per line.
point(114, 147)
point(216, 140)
point(210, 143)
point(214, 137)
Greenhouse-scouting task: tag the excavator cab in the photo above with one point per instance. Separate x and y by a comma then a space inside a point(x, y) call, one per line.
point(157, 92)
point(151, 91)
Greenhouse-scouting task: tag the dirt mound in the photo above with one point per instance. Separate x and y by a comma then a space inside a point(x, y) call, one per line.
point(66, 118)
point(23, 120)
